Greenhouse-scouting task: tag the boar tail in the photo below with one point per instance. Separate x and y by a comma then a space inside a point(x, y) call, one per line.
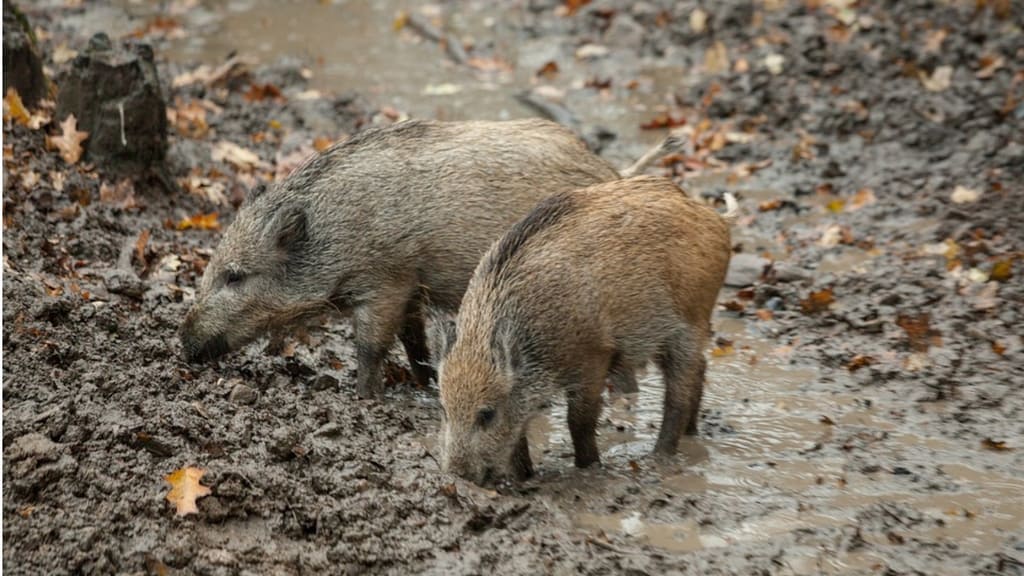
point(669, 144)
point(732, 208)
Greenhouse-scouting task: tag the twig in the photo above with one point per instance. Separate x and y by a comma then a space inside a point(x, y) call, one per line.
point(453, 45)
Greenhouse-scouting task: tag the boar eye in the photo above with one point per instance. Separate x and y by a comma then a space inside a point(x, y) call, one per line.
point(233, 278)
point(485, 416)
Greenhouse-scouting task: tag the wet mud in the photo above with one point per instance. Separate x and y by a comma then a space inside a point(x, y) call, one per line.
point(865, 398)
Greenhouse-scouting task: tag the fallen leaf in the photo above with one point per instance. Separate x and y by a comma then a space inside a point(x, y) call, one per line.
point(859, 361)
point(836, 206)
point(598, 83)
point(121, 194)
point(199, 222)
point(733, 306)
point(987, 66)
point(1002, 270)
point(14, 108)
point(769, 205)
point(321, 143)
point(933, 42)
point(225, 151)
point(918, 329)
point(161, 25)
point(261, 92)
point(186, 489)
point(140, 247)
point(572, 6)
point(863, 197)
point(549, 70)
point(400, 21)
point(716, 58)
point(995, 445)
point(698, 21)
point(939, 80)
point(489, 64)
point(634, 466)
point(774, 63)
point(964, 195)
point(998, 347)
point(764, 314)
point(663, 121)
point(817, 301)
point(69, 143)
point(720, 351)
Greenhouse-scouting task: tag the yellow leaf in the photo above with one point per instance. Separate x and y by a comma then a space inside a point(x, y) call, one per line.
point(1002, 270)
point(70, 142)
point(186, 489)
point(200, 222)
point(16, 108)
point(400, 21)
point(719, 351)
point(836, 206)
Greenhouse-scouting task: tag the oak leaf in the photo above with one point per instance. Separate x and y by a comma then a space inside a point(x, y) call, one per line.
point(186, 489)
point(70, 142)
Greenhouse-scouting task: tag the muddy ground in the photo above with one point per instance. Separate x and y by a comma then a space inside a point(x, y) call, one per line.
point(864, 406)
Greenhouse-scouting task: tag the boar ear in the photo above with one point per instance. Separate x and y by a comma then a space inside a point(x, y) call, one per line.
point(508, 354)
point(290, 227)
point(443, 334)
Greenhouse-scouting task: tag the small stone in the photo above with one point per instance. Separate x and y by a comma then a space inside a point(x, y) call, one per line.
point(242, 394)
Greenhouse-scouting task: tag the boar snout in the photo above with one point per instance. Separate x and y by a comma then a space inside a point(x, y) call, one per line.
point(198, 348)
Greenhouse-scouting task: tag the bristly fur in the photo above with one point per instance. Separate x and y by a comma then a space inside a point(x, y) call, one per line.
point(546, 214)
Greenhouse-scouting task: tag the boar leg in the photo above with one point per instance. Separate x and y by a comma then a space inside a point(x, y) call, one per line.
point(584, 411)
point(376, 323)
point(414, 339)
point(522, 466)
point(682, 364)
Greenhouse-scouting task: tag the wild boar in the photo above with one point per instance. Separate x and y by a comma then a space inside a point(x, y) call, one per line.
point(590, 282)
point(382, 225)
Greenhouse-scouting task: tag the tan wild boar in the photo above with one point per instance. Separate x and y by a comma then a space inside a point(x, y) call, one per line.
point(382, 225)
point(590, 282)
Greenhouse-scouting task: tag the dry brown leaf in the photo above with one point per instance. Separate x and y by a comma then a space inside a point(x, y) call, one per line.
point(69, 143)
point(663, 121)
point(987, 65)
point(549, 70)
point(121, 194)
point(14, 108)
point(863, 197)
point(186, 489)
point(918, 329)
point(261, 92)
point(859, 361)
point(995, 445)
point(817, 301)
point(243, 159)
point(199, 222)
point(321, 143)
point(572, 6)
point(140, 247)
point(1002, 270)
point(161, 25)
point(933, 43)
point(939, 80)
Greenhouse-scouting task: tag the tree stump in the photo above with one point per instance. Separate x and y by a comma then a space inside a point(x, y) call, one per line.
point(23, 67)
point(115, 94)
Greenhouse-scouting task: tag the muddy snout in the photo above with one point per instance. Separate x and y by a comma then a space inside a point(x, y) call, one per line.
point(197, 347)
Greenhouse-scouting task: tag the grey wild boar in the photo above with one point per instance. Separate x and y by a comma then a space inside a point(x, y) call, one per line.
point(382, 225)
point(591, 282)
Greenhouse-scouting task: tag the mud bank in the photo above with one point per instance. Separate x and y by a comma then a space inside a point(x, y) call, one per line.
point(864, 402)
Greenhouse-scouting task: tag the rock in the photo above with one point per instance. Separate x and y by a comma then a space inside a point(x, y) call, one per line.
point(124, 282)
point(745, 269)
point(242, 394)
point(624, 31)
point(283, 443)
point(23, 67)
point(783, 272)
point(115, 94)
